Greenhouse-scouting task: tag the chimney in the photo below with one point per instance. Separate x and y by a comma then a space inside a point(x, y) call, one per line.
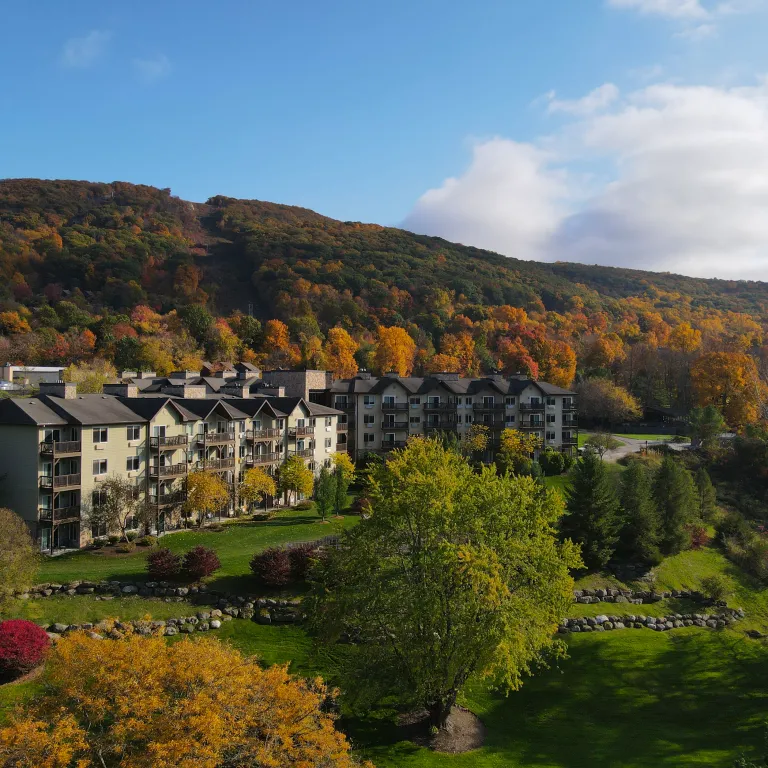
point(146, 375)
point(124, 389)
point(188, 391)
point(64, 389)
point(126, 374)
point(236, 389)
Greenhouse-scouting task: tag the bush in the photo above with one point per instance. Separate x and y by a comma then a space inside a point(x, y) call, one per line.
point(163, 564)
point(131, 535)
point(360, 506)
point(125, 549)
point(22, 647)
point(201, 561)
point(263, 515)
point(733, 526)
point(552, 462)
point(754, 558)
point(715, 587)
point(113, 539)
point(147, 541)
point(301, 557)
point(304, 505)
point(272, 567)
point(699, 535)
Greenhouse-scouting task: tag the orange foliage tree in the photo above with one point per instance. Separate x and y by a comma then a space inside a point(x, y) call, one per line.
point(684, 338)
point(461, 347)
point(139, 702)
point(339, 352)
point(730, 382)
point(395, 351)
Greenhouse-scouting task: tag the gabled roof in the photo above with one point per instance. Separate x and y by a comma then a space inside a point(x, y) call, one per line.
point(91, 409)
point(29, 411)
point(202, 408)
point(149, 407)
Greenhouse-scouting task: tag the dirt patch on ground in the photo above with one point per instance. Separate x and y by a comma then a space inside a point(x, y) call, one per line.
point(462, 733)
point(35, 673)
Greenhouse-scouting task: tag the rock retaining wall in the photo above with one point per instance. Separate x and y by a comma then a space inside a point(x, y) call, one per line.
point(604, 622)
point(635, 597)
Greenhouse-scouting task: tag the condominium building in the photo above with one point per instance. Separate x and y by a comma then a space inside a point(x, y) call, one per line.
point(57, 448)
point(382, 413)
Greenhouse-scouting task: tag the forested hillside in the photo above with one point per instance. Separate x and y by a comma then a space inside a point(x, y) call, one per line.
point(133, 275)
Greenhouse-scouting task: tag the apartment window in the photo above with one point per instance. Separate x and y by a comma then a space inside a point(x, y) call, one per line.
point(134, 432)
point(566, 437)
point(327, 462)
point(369, 419)
point(158, 430)
point(327, 442)
point(415, 420)
point(488, 400)
point(511, 419)
point(242, 451)
point(241, 428)
point(550, 401)
point(99, 466)
point(468, 418)
point(368, 438)
point(132, 464)
point(98, 530)
point(280, 423)
point(550, 435)
point(389, 399)
point(414, 401)
point(312, 422)
point(99, 434)
point(551, 418)
point(510, 401)
point(329, 421)
point(567, 402)
point(368, 401)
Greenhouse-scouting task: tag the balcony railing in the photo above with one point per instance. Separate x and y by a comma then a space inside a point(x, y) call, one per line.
point(301, 431)
point(171, 441)
point(59, 481)
point(345, 406)
point(488, 407)
point(532, 425)
point(262, 458)
point(60, 513)
point(263, 434)
point(60, 446)
point(439, 406)
point(394, 406)
point(307, 453)
point(569, 406)
point(391, 445)
point(342, 426)
point(168, 499)
point(394, 425)
point(572, 440)
point(442, 426)
point(216, 438)
point(170, 470)
point(531, 406)
point(217, 464)
point(573, 423)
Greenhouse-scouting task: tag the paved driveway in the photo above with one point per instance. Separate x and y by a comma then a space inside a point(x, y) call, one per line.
point(633, 445)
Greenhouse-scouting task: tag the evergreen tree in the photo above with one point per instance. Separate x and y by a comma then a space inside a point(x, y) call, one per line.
point(675, 496)
point(593, 512)
point(639, 537)
point(707, 497)
point(341, 480)
point(325, 492)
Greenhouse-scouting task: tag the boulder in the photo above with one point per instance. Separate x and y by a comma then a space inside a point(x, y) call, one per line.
point(601, 619)
point(59, 628)
point(129, 589)
point(215, 624)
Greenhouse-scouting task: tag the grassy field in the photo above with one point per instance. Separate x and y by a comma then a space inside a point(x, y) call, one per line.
point(235, 546)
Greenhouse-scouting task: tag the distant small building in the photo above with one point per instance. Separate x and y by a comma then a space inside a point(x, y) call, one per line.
point(29, 375)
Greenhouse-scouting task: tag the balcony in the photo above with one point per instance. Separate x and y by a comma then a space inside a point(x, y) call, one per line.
point(263, 434)
point(569, 406)
point(60, 481)
point(433, 406)
point(168, 499)
point(488, 407)
point(171, 442)
point(572, 423)
point(262, 458)
point(345, 406)
point(60, 447)
point(301, 431)
point(307, 453)
point(398, 425)
point(216, 438)
point(441, 426)
point(59, 514)
point(532, 425)
point(394, 406)
point(391, 445)
point(170, 470)
point(535, 407)
point(217, 464)
point(342, 426)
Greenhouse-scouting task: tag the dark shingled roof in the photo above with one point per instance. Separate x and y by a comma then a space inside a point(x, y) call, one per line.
point(29, 411)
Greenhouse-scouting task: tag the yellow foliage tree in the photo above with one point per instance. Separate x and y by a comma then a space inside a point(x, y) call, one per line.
point(13, 322)
point(395, 351)
point(207, 494)
point(139, 702)
point(154, 355)
point(256, 485)
point(347, 465)
point(339, 351)
point(461, 347)
point(442, 364)
point(517, 446)
point(90, 377)
point(295, 477)
point(684, 338)
point(276, 336)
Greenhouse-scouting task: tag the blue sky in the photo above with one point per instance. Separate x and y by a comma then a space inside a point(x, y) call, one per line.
point(359, 109)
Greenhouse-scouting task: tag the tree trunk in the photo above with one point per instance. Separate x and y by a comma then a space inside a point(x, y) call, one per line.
point(439, 711)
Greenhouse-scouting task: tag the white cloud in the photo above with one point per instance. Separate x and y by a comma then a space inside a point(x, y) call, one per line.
point(595, 101)
point(697, 33)
point(687, 190)
point(153, 68)
point(83, 51)
point(675, 9)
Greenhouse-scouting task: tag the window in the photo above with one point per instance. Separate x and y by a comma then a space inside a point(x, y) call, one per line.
point(415, 420)
point(550, 435)
point(312, 422)
point(566, 437)
point(99, 466)
point(98, 530)
point(550, 401)
point(340, 402)
point(388, 399)
point(98, 497)
point(328, 421)
point(99, 434)
point(158, 430)
point(369, 419)
point(327, 462)
point(280, 423)
point(132, 464)
point(467, 401)
point(368, 401)
point(368, 438)
point(134, 432)
point(551, 418)
point(241, 428)
point(511, 418)
point(242, 451)
point(414, 401)
point(488, 400)
point(327, 442)
point(468, 418)
point(510, 401)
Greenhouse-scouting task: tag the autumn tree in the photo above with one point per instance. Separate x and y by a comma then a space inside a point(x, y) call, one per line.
point(91, 376)
point(88, 714)
point(18, 557)
point(603, 402)
point(339, 353)
point(475, 440)
point(116, 506)
point(256, 486)
point(341, 460)
point(729, 381)
point(454, 575)
point(516, 449)
point(395, 351)
point(684, 338)
point(295, 477)
point(207, 495)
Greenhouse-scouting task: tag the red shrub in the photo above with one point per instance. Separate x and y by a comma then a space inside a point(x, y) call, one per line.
point(22, 647)
point(163, 564)
point(300, 558)
point(272, 567)
point(201, 561)
point(699, 536)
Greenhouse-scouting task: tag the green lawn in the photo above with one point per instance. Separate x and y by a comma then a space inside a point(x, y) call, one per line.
point(235, 546)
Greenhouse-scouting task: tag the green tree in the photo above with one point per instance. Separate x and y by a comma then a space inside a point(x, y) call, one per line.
point(198, 321)
point(18, 558)
point(340, 489)
point(295, 477)
point(455, 574)
point(706, 424)
point(592, 518)
point(675, 497)
point(601, 442)
point(706, 495)
point(639, 536)
point(325, 492)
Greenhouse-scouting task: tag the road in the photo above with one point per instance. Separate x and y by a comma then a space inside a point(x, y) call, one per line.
point(633, 445)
